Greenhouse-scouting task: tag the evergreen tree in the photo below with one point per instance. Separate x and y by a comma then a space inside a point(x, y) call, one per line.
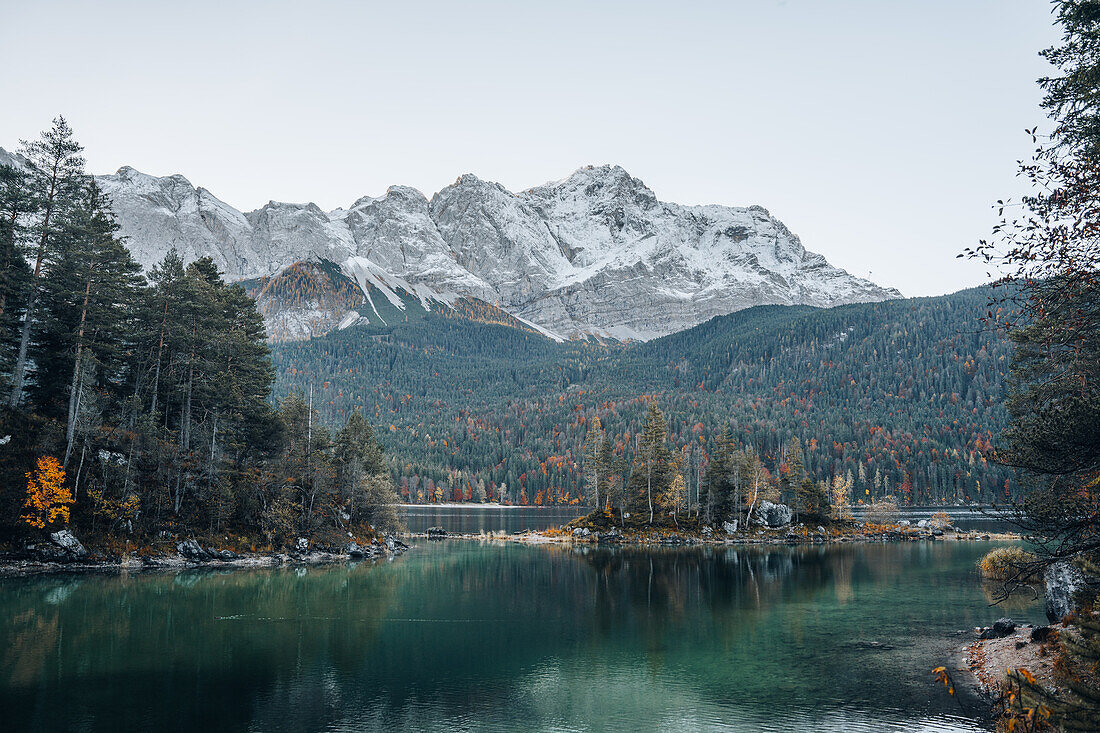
point(813, 500)
point(1073, 96)
point(651, 473)
point(606, 467)
point(722, 480)
point(791, 472)
point(18, 205)
point(357, 459)
point(594, 456)
point(57, 173)
point(90, 290)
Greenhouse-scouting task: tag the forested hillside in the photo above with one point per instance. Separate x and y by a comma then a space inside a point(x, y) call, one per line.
point(900, 397)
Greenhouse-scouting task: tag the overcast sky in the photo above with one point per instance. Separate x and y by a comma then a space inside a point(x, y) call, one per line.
point(879, 131)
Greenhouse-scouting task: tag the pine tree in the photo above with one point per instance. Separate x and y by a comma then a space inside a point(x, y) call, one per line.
point(594, 455)
point(606, 467)
point(91, 290)
point(792, 471)
point(813, 500)
point(651, 472)
point(721, 480)
point(57, 171)
point(357, 457)
point(18, 205)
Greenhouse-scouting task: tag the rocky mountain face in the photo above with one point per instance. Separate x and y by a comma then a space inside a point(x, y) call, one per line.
point(596, 253)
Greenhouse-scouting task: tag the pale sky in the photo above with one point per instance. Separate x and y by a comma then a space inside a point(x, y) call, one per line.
point(879, 131)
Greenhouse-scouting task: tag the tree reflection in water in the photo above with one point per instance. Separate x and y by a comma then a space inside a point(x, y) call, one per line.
point(492, 635)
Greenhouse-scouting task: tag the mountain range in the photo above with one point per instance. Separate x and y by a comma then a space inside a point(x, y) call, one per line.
point(594, 254)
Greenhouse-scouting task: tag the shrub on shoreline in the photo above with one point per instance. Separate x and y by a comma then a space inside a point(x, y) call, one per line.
point(884, 512)
point(1006, 563)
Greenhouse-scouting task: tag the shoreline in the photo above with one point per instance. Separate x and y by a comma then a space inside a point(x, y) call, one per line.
point(14, 565)
point(212, 559)
point(770, 537)
point(980, 666)
point(477, 505)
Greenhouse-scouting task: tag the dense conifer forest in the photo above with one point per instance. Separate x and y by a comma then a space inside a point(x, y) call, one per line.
point(902, 398)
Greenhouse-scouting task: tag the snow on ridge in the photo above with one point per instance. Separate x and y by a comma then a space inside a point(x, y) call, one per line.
point(596, 252)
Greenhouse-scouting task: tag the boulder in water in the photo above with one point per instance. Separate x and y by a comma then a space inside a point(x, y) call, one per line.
point(436, 533)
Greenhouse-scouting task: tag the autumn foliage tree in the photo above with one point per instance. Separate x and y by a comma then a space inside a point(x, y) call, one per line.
point(48, 498)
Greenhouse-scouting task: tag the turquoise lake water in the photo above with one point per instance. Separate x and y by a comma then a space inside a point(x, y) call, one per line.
point(469, 636)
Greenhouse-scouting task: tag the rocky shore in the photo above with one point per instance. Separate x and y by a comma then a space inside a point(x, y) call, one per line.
point(63, 552)
point(729, 535)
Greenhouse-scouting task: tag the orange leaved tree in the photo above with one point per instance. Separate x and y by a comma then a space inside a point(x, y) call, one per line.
point(48, 498)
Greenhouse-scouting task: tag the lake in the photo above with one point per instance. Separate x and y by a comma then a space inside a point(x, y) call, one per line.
point(463, 635)
point(478, 518)
point(486, 518)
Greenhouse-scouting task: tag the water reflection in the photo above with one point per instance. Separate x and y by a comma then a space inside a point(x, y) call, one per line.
point(500, 636)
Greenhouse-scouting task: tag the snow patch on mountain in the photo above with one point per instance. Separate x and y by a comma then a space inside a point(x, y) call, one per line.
point(594, 253)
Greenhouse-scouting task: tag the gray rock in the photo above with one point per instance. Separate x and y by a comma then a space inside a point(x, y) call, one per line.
point(1004, 627)
point(708, 531)
point(772, 515)
point(223, 555)
point(69, 544)
point(903, 523)
point(354, 550)
point(730, 527)
point(820, 529)
point(192, 550)
point(302, 545)
point(1063, 581)
point(923, 524)
point(581, 532)
point(1040, 633)
point(612, 536)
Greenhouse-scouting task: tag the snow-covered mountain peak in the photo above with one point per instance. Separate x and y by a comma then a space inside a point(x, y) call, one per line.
point(608, 183)
point(596, 252)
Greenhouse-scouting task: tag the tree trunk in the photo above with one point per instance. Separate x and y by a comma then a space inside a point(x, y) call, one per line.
point(649, 485)
point(160, 352)
point(77, 386)
point(755, 493)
